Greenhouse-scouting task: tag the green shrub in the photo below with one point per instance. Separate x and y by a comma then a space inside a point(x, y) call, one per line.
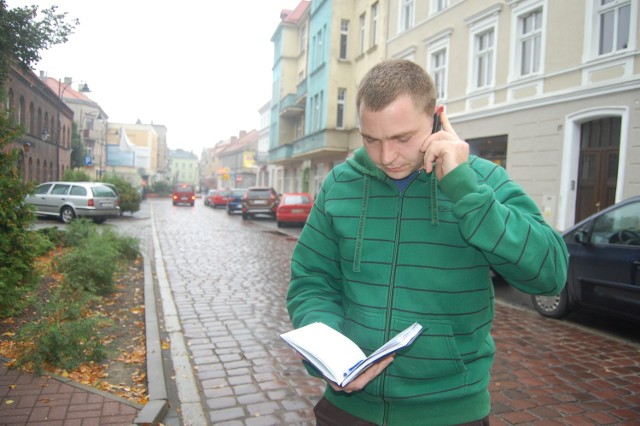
point(71, 175)
point(90, 266)
point(65, 336)
point(128, 248)
point(129, 196)
point(79, 231)
point(161, 188)
point(17, 275)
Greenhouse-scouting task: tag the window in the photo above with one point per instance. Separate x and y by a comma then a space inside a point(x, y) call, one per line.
point(613, 26)
point(374, 24)
point(439, 71)
point(529, 42)
point(483, 51)
point(340, 108)
point(303, 38)
point(344, 38)
point(406, 14)
point(439, 5)
point(319, 46)
point(362, 30)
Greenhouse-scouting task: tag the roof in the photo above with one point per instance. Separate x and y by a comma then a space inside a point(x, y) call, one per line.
point(65, 90)
point(293, 16)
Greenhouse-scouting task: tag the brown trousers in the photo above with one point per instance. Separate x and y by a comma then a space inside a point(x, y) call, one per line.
point(328, 414)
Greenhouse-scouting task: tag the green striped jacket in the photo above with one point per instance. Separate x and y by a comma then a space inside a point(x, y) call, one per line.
point(371, 261)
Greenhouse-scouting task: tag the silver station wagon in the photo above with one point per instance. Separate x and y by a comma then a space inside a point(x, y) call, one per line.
point(67, 200)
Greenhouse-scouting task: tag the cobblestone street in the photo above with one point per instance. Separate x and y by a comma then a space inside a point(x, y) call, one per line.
point(221, 285)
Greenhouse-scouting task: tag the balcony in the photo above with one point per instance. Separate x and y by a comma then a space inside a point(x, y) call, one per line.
point(320, 143)
point(280, 153)
point(91, 134)
point(289, 107)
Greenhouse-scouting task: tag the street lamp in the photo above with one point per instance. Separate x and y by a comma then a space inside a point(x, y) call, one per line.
point(84, 89)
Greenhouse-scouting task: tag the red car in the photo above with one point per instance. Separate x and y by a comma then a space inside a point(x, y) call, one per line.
point(220, 198)
point(184, 193)
point(294, 208)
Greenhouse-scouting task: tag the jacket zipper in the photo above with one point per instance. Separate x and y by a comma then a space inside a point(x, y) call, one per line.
point(387, 329)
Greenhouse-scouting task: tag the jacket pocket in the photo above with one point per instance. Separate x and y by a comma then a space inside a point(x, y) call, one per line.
point(430, 368)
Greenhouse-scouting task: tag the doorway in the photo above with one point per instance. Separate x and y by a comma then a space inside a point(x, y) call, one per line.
point(597, 165)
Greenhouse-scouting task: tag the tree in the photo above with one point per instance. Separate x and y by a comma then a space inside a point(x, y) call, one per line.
point(22, 36)
point(78, 150)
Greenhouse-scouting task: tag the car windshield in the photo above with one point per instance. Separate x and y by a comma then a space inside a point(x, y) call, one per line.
point(296, 199)
point(237, 192)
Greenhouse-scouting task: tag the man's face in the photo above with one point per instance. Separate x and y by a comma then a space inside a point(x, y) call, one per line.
point(392, 137)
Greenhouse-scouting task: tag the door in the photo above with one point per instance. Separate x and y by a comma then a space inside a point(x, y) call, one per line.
point(598, 166)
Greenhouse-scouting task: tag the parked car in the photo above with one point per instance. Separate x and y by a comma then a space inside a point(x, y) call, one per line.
point(208, 196)
point(68, 200)
point(293, 207)
point(259, 199)
point(234, 200)
point(604, 265)
point(220, 198)
point(184, 193)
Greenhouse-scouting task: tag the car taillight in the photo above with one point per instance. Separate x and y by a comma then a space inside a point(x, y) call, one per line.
point(90, 202)
point(193, 197)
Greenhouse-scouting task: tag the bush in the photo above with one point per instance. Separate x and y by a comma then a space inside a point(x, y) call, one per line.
point(161, 188)
point(76, 176)
point(17, 275)
point(91, 264)
point(130, 198)
point(65, 336)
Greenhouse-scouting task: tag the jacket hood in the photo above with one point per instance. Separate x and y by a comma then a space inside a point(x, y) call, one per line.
point(362, 163)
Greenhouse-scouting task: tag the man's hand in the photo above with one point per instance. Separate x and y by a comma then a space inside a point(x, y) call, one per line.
point(444, 151)
point(364, 378)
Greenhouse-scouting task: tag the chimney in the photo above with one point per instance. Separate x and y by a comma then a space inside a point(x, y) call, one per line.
point(67, 81)
point(242, 134)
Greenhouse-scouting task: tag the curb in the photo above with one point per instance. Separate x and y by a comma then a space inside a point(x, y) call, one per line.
point(157, 406)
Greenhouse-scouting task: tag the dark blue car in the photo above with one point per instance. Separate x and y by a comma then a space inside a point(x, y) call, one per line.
point(604, 265)
point(234, 203)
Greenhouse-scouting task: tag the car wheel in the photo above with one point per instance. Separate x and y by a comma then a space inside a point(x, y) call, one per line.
point(552, 306)
point(99, 220)
point(280, 224)
point(67, 214)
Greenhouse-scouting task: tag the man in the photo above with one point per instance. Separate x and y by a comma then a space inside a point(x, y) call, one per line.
point(407, 231)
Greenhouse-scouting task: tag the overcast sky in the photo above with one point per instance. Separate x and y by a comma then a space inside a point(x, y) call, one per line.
point(202, 68)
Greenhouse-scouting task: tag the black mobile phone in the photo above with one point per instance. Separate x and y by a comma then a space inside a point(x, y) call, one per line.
point(437, 126)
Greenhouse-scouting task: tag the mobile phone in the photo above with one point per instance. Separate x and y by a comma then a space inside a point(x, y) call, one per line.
point(437, 126)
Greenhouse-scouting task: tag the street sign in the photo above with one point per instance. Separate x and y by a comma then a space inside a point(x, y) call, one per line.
point(87, 160)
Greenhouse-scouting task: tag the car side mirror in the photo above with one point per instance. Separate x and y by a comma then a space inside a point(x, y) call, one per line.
point(581, 237)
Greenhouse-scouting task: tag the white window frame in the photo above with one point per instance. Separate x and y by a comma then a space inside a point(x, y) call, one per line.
point(363, 27)
point(437, 6)
point(516, 47)
point(341, 107)
point(344, 37)
point(373, 36)
point(592, 31)
point(406, 15)
point(438, 44)
point(438, 71)
point(483, 23)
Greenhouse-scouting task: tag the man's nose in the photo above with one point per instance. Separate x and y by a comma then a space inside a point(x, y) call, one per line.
point(387, 153)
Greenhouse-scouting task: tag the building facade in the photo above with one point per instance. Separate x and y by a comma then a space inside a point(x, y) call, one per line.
point(184, 167)
point(45, 146)
point(322, 49)
point(547, 89)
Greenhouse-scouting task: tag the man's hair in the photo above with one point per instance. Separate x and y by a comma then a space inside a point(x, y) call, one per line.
point(391, 78)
